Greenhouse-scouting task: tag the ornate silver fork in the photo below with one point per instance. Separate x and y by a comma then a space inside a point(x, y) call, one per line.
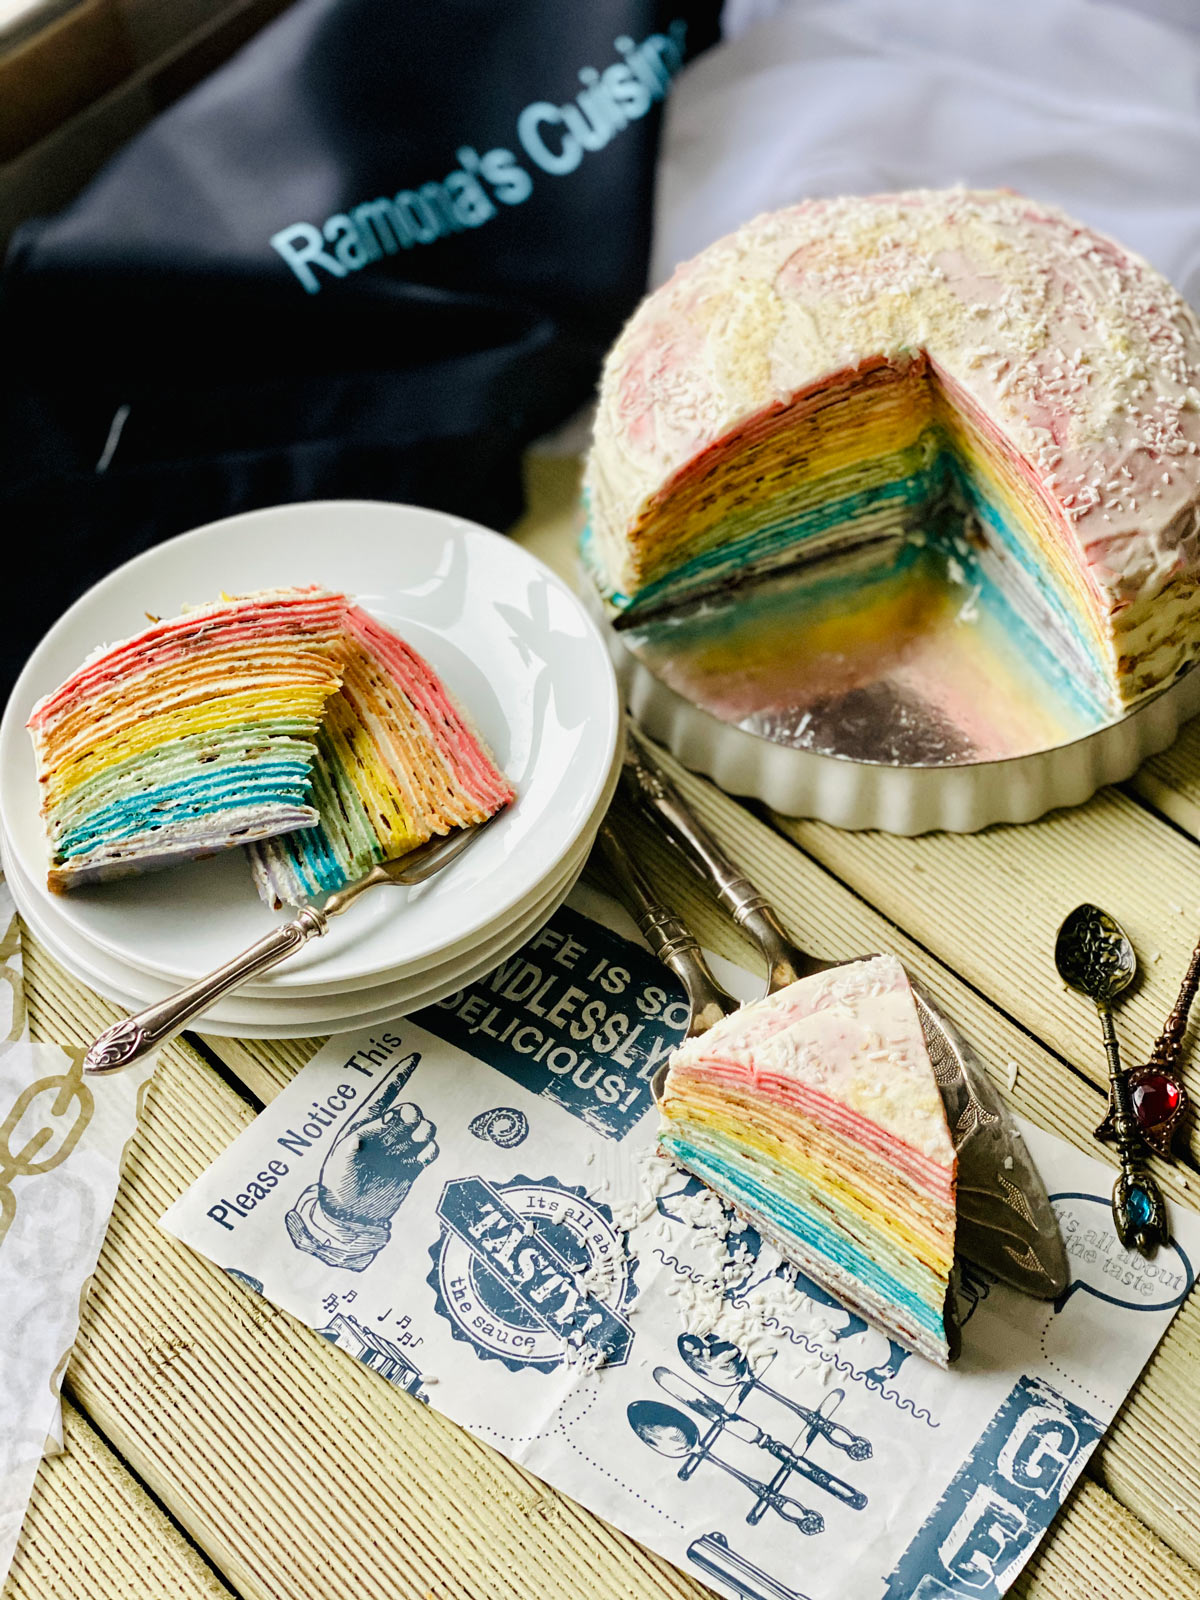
point(127, 1041)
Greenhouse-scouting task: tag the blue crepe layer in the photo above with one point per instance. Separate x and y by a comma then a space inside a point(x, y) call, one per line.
point(733, 1183)
point(283, 783)
point(929, 503)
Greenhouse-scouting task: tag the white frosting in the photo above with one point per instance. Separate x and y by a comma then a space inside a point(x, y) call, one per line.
point(851, 1034)
point(1082, 356)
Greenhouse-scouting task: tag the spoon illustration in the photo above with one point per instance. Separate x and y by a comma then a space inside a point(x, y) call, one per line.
point(1095, 958)
point(739, 1427)
point(724, 1365)
point(673, 1433)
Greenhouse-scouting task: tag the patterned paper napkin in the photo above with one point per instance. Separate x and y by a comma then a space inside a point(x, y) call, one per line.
point(61, 1143)
point(468, 1200)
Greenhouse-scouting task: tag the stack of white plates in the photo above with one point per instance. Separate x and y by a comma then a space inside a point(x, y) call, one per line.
point(511, 643)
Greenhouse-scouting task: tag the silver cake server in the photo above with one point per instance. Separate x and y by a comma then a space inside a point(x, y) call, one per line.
point(133, 1037)
point(1006, 1224)
point(669, 938)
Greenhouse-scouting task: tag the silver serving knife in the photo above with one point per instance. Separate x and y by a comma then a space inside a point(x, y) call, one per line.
point(1006, 1224)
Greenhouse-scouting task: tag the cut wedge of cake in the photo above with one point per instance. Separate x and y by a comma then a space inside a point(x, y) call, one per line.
point(193, 736)
point(398, 761)
point(815, 1113)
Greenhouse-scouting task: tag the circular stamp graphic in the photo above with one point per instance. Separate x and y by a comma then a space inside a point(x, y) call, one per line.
point(533, 1273)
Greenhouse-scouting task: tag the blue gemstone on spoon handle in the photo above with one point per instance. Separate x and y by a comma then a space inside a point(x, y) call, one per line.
point(1139, 1206)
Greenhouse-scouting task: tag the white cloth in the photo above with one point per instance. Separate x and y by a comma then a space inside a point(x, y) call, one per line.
point(1092, 105)
point(61, 1142)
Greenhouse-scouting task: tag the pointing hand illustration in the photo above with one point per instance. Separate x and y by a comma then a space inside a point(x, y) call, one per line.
point(371, 1167)
point(345, 1217)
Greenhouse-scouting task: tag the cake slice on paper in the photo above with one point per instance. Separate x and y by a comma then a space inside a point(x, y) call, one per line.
point(193, 736)
point(398, 762)
point(815, 1113)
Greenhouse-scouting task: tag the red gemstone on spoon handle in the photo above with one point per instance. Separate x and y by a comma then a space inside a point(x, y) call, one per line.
point(1155, 1099)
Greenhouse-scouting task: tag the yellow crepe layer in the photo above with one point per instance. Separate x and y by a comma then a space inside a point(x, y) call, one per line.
point(780, 465)
point(858, 433)
point(405, 789)
point(138, 735)
point(394, 819)
point(875, 1194)
point(206, 676)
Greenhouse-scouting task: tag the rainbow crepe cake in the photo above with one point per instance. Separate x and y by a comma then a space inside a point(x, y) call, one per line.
point(397, 762)
point(901, 416)
point(195, 735)
point(816, 1114)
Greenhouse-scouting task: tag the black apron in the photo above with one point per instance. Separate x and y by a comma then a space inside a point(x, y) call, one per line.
point(374, 255)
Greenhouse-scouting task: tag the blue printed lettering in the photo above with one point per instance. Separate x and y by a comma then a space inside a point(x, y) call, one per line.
point(416, 216)
point(469, 200)
point(1039, 1451)
point(347, 247)
point(632, 97)
point(555, 138)
point(982, 1539)
point(529, 130)
point(379, 229)
point(510, 181)
point(303, 248)
point(441, 207)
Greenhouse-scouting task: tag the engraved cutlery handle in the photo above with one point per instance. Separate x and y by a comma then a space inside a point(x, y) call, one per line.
point(647, 783)
point(667, 936)
point(1139, 1211)
point(133, 1037)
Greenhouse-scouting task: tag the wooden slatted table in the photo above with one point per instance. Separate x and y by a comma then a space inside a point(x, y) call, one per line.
point(214, 1447)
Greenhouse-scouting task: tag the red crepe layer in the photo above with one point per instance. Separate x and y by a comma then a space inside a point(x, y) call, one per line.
point(170, 639)
point(825, 1112)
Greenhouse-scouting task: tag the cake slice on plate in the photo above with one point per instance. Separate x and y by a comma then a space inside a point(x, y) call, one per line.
point(816, 1114)
point(194, 735)
point(398, 761)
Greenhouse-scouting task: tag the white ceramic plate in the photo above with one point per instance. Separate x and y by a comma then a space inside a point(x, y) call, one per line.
point(507, 636)
point(137, 989)
point(288, 1019)
point(97, 966)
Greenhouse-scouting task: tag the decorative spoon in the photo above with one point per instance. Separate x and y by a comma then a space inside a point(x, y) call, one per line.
point(735, 1426)
point(722, 1364)
point(1156, 1090)
point(1095, 958)
point(673, 1433)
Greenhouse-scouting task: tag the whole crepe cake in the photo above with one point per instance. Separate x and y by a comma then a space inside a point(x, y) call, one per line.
point(886, 391)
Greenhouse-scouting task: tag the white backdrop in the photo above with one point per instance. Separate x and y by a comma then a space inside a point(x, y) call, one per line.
point(1093, 104)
